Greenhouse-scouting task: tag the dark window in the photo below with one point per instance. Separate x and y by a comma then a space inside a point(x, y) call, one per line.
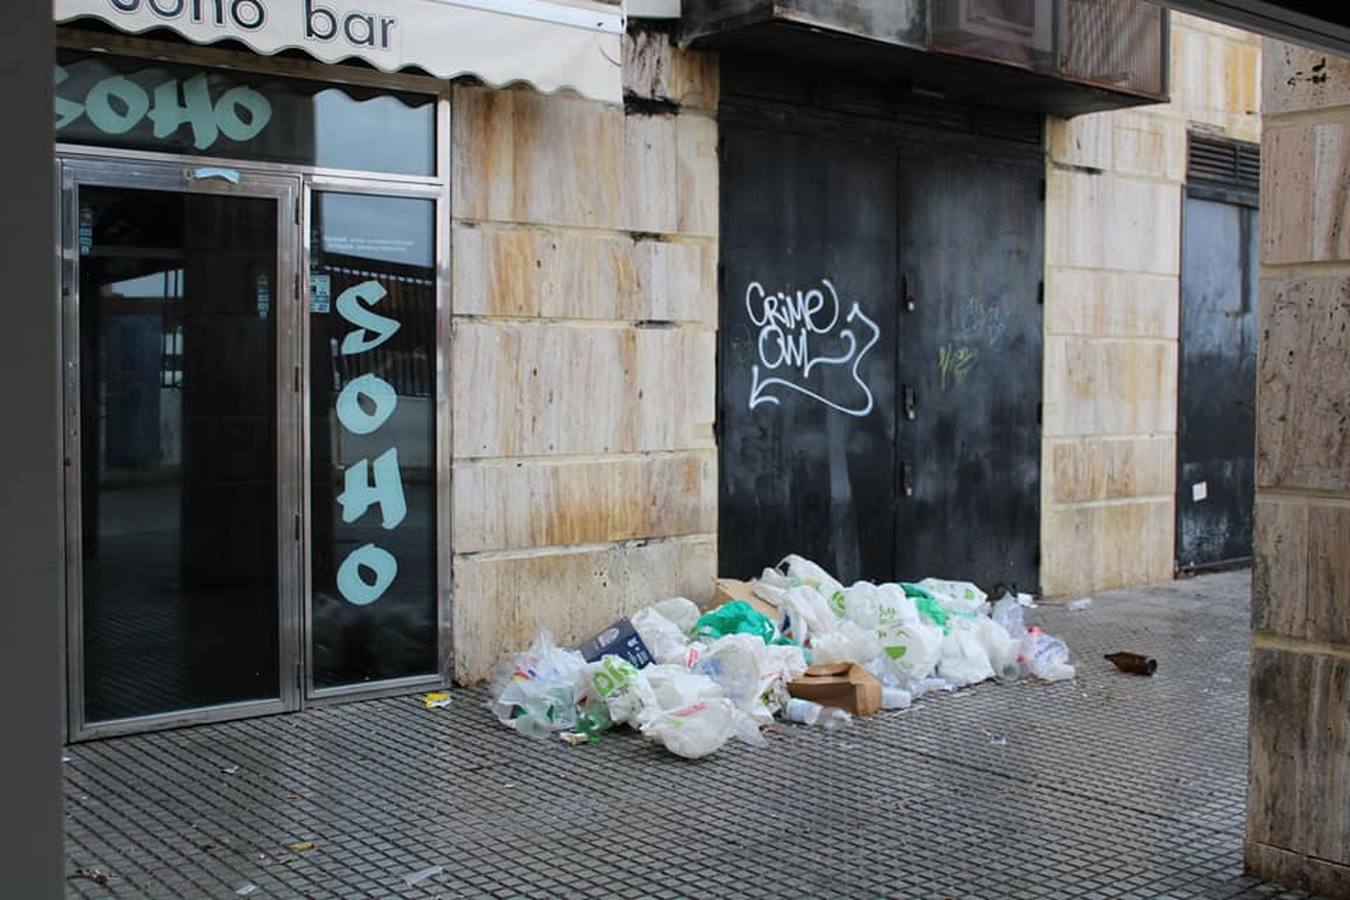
point(138, 104)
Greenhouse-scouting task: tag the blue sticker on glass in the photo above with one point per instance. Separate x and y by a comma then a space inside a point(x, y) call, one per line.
point(320, 293)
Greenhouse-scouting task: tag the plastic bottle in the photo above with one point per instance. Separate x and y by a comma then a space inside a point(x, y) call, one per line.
point(808, 712)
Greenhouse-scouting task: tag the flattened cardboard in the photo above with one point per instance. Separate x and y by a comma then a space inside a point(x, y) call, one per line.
point(847, 686)
point(727, 589)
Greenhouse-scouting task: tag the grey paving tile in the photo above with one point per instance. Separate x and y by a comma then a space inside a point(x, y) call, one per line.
point(1109, 786)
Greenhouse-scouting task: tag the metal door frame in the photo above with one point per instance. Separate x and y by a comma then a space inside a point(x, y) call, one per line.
point(305, 179)
point(127, 172)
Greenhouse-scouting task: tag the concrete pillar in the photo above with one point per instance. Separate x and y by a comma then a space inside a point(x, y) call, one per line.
point(30, 637)
point(1298, 813)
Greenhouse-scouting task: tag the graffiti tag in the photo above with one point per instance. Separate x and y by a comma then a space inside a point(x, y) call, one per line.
point(791, 326)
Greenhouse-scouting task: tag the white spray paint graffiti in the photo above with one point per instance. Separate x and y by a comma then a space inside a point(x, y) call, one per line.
point(786, 323)
point(359, 493)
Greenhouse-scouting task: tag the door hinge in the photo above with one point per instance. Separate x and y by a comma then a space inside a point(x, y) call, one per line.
point(296, 386)
point(1040, 293)
point(1040, 409)
point(297, 210)
point(906, 479)
point(295, 286)
point(1042, 190)
point(907, 393)
point(296, 521)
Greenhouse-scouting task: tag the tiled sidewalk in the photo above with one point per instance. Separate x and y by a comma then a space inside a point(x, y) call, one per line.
point(1108, 786)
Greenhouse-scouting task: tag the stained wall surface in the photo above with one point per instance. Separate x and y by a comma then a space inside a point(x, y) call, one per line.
point(1298, 799)
point(1112, 289)
point(584, 294)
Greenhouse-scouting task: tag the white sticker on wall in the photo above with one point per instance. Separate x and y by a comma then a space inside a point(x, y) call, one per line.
point(1200, 491)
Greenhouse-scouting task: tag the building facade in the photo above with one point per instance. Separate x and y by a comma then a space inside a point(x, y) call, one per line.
point(374, 366)
point(1115, 222)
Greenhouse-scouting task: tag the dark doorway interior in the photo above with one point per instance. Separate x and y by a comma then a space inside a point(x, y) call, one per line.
point(178, 450)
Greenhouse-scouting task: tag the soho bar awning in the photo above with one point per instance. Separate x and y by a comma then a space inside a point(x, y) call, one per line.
point(550, 44)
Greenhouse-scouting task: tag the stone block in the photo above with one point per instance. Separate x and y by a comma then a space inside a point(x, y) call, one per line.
point(1280, 567)
point(561, 274)
point(1299, 743)
point(1295, 871)
point(1145, 143)
point(1088, 469)
point(1296, 78)
point(524, 389)
point(1106, 387)
point(1112, 222)
point(1216, 80)
point(502, 601)
point(1305, 193)
point(1327, 607)
point(1105, 546)
point(523, 157)
point(510, 505)
point(654, 68)
point(1303, 367)
point(1111, 304)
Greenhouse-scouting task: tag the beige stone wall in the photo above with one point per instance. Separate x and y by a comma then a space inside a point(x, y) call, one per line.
point(584, 294)
point(1113, 239)
point(1298, 806)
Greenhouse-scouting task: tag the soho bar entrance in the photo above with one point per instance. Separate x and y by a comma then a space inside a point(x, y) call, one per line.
point(255, 390)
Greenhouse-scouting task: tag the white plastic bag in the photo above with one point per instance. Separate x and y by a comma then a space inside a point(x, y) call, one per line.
point(956, 596)
point(734, 662)
point(908, 644)
point(801, 571)
point(663, 637)
point(683, 613)
point(622, 686)
point(848, 642)
point(963, 660)
point(538, 691)
point(702, 727)
point(860, 604)
point(1000, 647)
point(674, 687)
point(802, 611)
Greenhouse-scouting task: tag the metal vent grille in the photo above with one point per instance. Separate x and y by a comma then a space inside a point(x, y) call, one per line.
point(1226, 162)
point(1114, 43)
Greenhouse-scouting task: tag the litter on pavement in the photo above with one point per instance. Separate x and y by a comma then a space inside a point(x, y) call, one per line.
point(436, 700)
point(1133, 663)
point(794, 644)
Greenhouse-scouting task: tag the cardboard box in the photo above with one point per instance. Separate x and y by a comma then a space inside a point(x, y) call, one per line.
point(847, 686)
point(727, 589)
point(620, 639)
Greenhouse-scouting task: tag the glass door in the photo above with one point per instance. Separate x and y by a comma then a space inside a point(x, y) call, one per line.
point(182, 410)
point(373, 386)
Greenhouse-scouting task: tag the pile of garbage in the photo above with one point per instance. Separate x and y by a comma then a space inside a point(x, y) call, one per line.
point(794, 643)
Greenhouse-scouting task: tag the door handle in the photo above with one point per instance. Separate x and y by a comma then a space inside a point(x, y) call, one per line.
point(908, 400)
point(907, 478)
point(906, 293)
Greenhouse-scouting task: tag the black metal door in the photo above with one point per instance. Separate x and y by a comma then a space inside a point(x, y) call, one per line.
point(1217, 385)
point(971, 262)
point(806, 404)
